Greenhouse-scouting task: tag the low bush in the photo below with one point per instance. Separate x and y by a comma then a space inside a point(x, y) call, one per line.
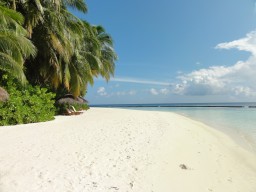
point(80, 107)
point(28, 104)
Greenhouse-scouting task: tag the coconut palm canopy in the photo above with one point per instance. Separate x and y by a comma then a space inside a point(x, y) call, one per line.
point(4, 96)
point(66, 53)
point(14, 46)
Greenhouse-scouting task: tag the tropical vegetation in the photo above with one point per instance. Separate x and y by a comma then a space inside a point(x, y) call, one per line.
point(43, 46)
point(26, 105)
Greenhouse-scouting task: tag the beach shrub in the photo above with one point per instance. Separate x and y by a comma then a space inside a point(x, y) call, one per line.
point(27, 104)
point(80, 107)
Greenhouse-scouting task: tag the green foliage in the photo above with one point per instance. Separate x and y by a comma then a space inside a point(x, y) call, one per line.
point(71, 52)
point(14, 45)
point(80, 107)
point(26, 105)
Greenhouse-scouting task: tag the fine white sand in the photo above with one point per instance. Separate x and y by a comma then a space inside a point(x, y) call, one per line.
point(122, 150)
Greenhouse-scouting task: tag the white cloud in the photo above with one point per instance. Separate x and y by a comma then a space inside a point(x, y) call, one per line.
point(122, 93)
point(153, 91)
point(247, 91)
point(102, 91)
point(164, 91)
point(140, 81)
point(132, 92)
point(245, 44)
point(238, 79)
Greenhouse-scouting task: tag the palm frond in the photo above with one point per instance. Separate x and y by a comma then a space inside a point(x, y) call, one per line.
point(76, 4)
point(8, 64)
point(11, 16)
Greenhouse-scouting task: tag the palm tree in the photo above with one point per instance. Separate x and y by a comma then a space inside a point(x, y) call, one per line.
point(94, 56)
point(14, 46)
point(56, 39)
point(108, 55)
point(4, 96)
point(71, 52)
point(35, 11)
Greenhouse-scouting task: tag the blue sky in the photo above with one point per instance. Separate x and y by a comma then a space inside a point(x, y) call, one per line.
point(177, 51)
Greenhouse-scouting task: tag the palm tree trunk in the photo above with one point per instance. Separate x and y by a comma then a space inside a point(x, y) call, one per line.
point(4, 96)
point(14, 5)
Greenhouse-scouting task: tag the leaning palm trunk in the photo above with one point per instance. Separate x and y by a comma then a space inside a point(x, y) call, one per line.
point(4, 96)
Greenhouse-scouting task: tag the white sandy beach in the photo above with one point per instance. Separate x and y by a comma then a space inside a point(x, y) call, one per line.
point(122, 150)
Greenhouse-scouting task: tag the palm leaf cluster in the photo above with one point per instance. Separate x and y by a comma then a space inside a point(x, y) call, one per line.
point(14, 46)
point(66, 53)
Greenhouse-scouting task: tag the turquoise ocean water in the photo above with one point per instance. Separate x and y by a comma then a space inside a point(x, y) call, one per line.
point(238, 120)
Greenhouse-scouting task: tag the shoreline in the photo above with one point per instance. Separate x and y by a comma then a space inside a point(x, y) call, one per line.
point(241, 138)
point(107, 149)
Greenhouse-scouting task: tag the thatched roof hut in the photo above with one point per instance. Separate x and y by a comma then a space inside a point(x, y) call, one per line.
point(70, 99)
point(4, 96)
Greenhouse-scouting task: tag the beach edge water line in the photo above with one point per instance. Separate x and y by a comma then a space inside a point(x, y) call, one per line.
point(238, 120)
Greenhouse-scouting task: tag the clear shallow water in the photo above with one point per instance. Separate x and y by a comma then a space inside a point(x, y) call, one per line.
point(237, 120)
point(239, 123)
